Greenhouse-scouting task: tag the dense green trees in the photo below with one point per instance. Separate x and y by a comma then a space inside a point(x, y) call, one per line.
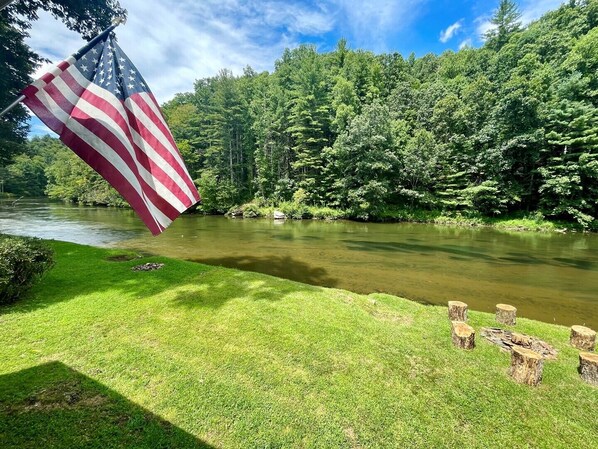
point(509, 127)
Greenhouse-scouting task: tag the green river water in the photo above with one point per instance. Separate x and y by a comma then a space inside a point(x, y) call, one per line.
point(548, 277)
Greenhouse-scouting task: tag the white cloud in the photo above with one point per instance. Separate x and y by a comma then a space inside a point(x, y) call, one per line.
point(175, 43)
point(450, 31)
point(483, 26)
point(370, 23)
point(466, 43)
point(534, 9)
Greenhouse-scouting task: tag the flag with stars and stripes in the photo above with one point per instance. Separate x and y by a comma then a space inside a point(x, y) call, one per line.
point(102, 109)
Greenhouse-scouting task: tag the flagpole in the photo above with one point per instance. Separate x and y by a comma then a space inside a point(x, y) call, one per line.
point(115, 22)
point(5, 3)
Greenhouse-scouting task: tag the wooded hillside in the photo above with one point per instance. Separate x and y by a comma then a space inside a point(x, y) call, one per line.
point(506, 128)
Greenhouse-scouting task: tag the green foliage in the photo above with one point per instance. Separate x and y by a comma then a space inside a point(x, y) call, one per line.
point(216, 196)
point(70, 179)
point(365, 159)
point(26, 176)
point(486, 198)
point(326, 213)
point(478, 131)
point(251, 210)
point(296, 211)
point(502, 129)
point(22, 262)
point(505, 22)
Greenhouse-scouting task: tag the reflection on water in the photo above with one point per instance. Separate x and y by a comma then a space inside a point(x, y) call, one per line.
point(550, 277)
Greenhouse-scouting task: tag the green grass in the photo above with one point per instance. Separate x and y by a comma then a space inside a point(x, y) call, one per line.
point(195, 356)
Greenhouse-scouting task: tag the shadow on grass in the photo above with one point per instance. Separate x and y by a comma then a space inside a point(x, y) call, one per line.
point(83, 270)
point(52, 405)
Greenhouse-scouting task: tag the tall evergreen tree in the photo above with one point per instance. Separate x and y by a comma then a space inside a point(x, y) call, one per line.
point(505, 21)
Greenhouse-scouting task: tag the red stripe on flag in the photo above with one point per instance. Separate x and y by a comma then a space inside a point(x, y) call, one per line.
point(48, 77)
point(45, 115)
point(113, 142)
point(152, 140)
point(144, 160)
point(96, 161)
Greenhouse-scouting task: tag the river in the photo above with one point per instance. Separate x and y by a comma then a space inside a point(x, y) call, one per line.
point(548, 277)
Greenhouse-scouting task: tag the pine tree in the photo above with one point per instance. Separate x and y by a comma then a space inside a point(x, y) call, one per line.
point(506, 21)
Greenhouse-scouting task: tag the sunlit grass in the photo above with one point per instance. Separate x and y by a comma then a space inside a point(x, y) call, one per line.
point(239, 359)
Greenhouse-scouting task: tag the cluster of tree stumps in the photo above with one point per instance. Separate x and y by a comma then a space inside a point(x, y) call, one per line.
point(527, 353)
point(584, 338)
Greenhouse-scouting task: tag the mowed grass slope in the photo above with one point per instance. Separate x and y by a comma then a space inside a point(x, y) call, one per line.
point(98, 355)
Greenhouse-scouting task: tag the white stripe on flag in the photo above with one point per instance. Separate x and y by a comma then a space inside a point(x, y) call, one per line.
point(156, 157)
point(104, 149)
point(116, 130)
point(152, 128)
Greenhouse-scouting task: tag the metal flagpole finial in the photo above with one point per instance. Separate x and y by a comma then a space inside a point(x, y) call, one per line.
point(120, 20)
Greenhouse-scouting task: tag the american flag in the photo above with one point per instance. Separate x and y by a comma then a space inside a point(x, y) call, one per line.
point(102, 109)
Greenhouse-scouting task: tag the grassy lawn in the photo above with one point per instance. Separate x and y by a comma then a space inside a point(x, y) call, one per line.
point(195, 356)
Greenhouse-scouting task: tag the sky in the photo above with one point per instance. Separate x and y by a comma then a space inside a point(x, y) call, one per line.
point(175, 42)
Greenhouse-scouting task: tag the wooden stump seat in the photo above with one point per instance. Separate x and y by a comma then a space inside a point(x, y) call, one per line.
point(457, 311)
point(588, 367)
point(526, 366)
point(506, 314)
point(463, 335)
point(582, 338)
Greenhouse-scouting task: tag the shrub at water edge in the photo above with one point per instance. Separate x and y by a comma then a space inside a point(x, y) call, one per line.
point(22, 262)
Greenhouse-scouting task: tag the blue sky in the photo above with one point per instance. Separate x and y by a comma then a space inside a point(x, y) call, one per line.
point(175, 42)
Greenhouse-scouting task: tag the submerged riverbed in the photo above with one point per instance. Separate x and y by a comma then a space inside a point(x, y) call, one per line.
point(549, 277)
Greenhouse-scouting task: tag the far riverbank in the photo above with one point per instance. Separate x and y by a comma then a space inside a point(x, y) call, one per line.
point(529, 222)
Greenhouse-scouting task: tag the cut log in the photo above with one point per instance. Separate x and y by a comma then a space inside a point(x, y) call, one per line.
point(463, 335)
point(521, 339)
point(457, 311)
point(583, 338)
point(526, 366)
point(588, 367)
point(506, 314)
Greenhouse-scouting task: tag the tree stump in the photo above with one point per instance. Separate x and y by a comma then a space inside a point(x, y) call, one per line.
point(457, 311)
point(588, 367)
point(582, 338)
point(506, 314)
point(463, 335)
point(526, 366)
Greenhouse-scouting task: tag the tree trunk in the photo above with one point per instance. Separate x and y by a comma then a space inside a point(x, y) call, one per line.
point(463, 335)
point(457, 311)
point(588, 367)
point(582, 338)
point(526, 366)
point(506, 314)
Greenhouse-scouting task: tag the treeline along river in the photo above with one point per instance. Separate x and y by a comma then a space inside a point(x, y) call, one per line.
point(549, 277)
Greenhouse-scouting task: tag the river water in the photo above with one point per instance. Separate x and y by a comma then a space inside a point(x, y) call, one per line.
point(548, 277)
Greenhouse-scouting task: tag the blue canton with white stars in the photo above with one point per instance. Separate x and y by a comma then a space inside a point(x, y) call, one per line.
point(107, 66)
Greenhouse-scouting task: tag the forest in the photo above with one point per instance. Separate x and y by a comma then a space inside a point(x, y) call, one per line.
point(507, 129)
